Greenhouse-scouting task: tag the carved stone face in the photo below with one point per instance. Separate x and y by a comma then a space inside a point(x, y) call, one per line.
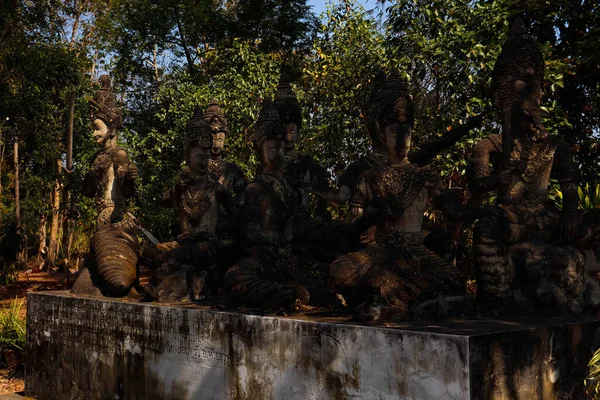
point(198, 159)
point(102, 134)
point(218, 143)
point(272, 154)
point(397, 138)
point(291, 135)
point(526, 108)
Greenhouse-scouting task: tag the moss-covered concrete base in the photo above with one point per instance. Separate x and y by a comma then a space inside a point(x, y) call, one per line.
point(85, 348)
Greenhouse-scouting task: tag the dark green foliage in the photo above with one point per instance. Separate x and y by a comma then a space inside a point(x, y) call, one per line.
point(336, 85)
point(448, 48)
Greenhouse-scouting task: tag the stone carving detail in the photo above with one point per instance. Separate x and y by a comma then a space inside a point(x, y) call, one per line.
point(527, 251)
point(110, 182)
point(395, 267)
point(185, 269)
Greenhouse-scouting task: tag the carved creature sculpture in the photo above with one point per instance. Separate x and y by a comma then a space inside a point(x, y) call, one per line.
point(110, 182)
point(186, 269)
point(396, 267)
point(524, 246)
point(270, 276)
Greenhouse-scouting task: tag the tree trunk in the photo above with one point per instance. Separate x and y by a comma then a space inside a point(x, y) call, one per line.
point(53, 243)
point(43, 248)
point(184, 44)
point(18, 203)
point(2, 147)
point(93, 70)
point(68, 198)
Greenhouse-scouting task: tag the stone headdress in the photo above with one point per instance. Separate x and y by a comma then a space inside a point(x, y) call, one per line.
point(197, 133)
point(520, 58)
point(286, 102)
point(268, 125)
point(215, 117)
point(390, 101)
point(104, 105)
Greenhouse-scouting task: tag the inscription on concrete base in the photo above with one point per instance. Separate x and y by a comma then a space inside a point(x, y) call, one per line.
point(109, 349)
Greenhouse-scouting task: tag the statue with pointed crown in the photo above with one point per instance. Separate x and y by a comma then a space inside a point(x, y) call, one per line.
point(220, 170)
point(301, 170)
point(316, 234)
point(270, 276)
point(230, 175)
point(110, 182)
point(421, 156)
point(185, 269)
point(395, 272)
point(526, 250)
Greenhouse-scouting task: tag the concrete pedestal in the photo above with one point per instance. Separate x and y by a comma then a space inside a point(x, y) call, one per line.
point(85, 348)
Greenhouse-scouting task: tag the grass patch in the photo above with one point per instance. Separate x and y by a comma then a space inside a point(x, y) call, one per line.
point(12, 326)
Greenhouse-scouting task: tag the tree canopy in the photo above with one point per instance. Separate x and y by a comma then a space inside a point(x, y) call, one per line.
point(166, 57)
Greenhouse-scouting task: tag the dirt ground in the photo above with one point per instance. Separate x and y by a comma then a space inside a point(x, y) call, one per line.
point(11, 369)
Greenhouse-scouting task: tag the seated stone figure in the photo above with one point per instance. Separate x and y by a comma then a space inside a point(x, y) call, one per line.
point(185, 269)
point(114, 247)
point(270, 276)
point(442, 243)
point(396, 267)
point(525, 248)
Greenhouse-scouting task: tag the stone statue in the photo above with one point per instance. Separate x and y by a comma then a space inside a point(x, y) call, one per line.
point(231, 176)
point(270, 276)
point(395, 268)
point(110, 182)
point(317, 238)
point(186, 269)
point(378, 157)
point(525, 248)
point(300, 170)
point(225, 172)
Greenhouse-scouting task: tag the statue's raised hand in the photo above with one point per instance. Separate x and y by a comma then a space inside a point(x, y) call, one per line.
point(132, 172)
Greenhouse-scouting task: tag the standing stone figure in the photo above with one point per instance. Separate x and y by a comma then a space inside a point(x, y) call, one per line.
point(231, 176)
point(301, 170)
point(185, 269)
point(220, 170)
point(269, 277)
point(110, 182)
point(525, 248)
point(396, 267)
point(316, 237)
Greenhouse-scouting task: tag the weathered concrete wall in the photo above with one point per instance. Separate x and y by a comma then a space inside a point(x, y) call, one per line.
point(103, 349)
point(545, 363)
